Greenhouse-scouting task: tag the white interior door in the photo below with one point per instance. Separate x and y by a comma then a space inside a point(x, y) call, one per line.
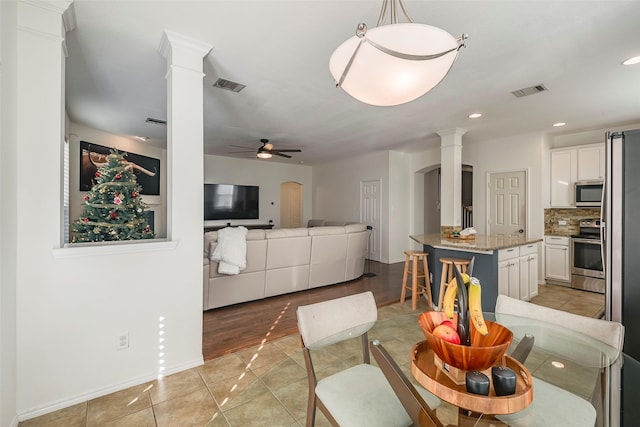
point(507, 204)
point(370, 214)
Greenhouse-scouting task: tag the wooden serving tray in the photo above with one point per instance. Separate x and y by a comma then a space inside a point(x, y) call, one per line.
point(459, 237)
point(437, 382)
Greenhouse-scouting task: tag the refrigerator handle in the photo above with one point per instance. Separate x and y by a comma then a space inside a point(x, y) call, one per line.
point(603, 224)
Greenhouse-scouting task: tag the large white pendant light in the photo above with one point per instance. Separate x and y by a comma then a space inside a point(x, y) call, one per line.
point(396, 63)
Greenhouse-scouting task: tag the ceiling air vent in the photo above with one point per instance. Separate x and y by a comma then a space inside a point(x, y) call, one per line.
point(156, 121)
point(529, 91)
point(229, 85)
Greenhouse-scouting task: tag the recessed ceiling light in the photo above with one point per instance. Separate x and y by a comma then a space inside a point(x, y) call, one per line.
point(557, 125)
point(631, 61)
point(475, 115)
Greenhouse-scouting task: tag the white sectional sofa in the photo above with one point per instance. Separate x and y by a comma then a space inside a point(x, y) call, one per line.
point(286, 260)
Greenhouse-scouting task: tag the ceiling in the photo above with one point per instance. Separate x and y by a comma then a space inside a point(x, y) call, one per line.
point(280, 50)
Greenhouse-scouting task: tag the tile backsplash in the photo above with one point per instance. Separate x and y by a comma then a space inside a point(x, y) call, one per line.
point(552, 218)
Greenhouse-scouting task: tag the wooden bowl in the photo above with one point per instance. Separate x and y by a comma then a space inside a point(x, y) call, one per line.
point(485, 350)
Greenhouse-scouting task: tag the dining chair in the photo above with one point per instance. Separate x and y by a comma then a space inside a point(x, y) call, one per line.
point(607, 332)
point(359, 395)
point(413, 401)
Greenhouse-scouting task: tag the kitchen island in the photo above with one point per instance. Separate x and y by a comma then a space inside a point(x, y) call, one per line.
point(506, 265)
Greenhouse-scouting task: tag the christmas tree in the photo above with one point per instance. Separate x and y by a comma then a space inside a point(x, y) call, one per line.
point(113, 209)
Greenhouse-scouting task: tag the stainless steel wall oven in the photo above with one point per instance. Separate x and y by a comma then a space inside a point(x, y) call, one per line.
point(587, 270)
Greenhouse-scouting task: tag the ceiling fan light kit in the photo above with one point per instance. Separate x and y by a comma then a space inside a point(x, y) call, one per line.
point(396, 63)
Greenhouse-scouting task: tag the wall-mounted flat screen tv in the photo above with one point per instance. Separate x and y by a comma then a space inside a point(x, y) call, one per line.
point(227, 201)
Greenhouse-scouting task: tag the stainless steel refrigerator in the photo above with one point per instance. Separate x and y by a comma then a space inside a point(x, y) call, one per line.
point(621, 218)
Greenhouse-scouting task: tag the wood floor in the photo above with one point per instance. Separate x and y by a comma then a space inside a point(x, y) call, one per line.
point(229, 329)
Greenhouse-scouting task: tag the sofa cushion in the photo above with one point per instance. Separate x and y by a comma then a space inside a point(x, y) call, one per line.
point(356, 253)
point(325, 231)
point(286, 232)
point(256, 234)
point(209, 236)
point(328, 258)
point(354, 228)
point(227, 290)
point(256, 257)
point(334, 223)
point(212, 236)
point(288, 252)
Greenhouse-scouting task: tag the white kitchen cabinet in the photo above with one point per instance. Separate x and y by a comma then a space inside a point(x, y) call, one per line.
point(509, 278)
point(568, 165)
point(557, 259)
point(563, 176)
point(518, 271)
point(509, 272)
point(591, 162)
point(528, 271)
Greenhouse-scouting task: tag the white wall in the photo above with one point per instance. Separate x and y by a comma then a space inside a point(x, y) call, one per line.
point(8, 232)
point(78, 133)
point(399, 205)
point(523, 152)
point(336, 190)
point(268, 175)
point(73, 303)
point(420, 163)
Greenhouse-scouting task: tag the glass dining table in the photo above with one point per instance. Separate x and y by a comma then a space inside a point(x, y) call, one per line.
point(566, 359)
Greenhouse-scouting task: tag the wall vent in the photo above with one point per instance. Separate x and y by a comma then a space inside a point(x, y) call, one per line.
point(229, 85)
point(156, 121)
point(529, 91)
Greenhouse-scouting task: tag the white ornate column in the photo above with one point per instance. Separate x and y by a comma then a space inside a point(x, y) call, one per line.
point(32, 192)
point(451, 179)
point(185, 133)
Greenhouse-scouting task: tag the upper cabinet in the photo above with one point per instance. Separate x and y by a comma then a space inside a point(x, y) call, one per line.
point(591, 162)
point(564, 173)
point(569, 165)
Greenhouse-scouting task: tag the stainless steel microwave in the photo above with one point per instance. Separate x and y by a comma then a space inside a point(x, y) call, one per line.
point(589, 193)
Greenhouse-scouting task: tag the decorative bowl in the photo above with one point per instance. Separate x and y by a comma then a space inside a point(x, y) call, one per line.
point(485, 350)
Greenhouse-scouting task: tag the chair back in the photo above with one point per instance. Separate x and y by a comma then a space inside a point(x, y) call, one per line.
point(355, 395)
point(608, 332)
point(329, 322)
point(419, 411)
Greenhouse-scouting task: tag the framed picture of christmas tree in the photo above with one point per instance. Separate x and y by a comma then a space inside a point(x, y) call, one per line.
point(93, 156)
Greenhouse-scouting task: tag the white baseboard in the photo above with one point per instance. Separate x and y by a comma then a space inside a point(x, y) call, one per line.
point(43, 410)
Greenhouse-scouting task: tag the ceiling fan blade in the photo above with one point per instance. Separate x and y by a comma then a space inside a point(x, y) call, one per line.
point(277, 153)
point(242, 146)
point(297, 150)
point(236, 152)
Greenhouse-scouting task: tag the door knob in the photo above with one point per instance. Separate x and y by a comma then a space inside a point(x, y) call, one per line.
point(521, 231)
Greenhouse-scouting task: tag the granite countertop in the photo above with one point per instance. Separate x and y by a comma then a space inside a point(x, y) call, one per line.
point(482, 242)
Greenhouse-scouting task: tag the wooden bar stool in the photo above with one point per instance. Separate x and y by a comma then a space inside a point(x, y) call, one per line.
point(448, 273)
point(416, 287)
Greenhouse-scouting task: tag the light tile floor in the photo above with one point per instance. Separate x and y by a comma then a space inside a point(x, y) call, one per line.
point(575, 301)
point(267, 385)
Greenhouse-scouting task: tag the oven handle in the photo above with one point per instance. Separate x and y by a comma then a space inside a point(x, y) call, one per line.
point(588, 241)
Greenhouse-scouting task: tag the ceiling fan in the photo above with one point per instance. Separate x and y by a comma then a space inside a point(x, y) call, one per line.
point(267, 150)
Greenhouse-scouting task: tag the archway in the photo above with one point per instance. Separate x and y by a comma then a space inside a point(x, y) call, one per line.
point(290, 204)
